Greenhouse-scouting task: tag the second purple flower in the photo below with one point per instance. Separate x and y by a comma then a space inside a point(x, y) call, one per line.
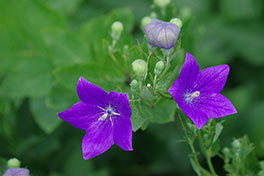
point(198, 92)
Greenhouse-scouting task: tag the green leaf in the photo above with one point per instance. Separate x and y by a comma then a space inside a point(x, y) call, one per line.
point(218, 129)
point(195, 167)
point(164, 112)
point(106, 78)
point(146, 95)
point(46, 118)
point(61, 98)
point(140, 114)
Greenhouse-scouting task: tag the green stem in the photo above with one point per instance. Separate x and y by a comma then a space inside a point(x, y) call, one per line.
point(207, 154)
point(154, 82)
point(166, 68)
point(190, 142)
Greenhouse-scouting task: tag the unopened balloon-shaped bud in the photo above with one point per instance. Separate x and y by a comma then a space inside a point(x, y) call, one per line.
point(159, 68)
point(162, 34)
point(140, 68)
point(176, 21)
point(13, 163)
point(134, 86)
point(117, 28)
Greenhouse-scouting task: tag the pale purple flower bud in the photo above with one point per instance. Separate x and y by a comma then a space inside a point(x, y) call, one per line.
point(162, 34)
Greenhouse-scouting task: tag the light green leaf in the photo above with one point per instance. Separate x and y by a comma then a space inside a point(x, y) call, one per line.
point(46, 118)
point(218, 129)
point(164, 112)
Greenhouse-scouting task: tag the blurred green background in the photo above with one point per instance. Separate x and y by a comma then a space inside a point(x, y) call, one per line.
point(45, 45)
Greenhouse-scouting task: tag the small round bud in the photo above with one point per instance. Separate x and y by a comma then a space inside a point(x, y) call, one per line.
point(117, 28)
point(159, 68)
point(146, 20)
point(140, 68)
point(226, 152)
point(176, 21)
point(236, 144)
point(162, 3)
point(134, 85)
point(153, 15)
point(13, 163)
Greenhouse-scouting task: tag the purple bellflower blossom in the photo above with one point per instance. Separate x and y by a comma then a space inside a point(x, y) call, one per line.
point(162, 34)
point(198, 92)
point(104, 116)
point(16, 172)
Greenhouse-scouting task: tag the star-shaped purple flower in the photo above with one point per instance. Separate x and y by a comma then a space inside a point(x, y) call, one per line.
point(162, 34)
point(198, 92)
point(104, 116)
point(16, 172)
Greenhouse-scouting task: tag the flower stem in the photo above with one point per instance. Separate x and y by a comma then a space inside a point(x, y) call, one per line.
point(210, 165)
point(207, 154)
point(166, 68)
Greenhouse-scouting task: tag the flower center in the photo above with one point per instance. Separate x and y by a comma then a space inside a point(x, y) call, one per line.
point(108, 112)
point(188, 97)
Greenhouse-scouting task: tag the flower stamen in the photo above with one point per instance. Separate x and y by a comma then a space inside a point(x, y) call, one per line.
point(195, 94)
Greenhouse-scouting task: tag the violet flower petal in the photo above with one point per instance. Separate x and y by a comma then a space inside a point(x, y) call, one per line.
point(212, 79)
point(189, 72)
point(214, 105)
point(81, 115)
point(90, 93)
point(122, 131)
point(98, 139)
point(16, 172)
point(198, 117)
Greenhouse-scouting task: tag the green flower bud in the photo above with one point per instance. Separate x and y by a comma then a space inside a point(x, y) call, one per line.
point(226, 151)
point(134, 86)
point(117, 28)
point(162, 3)
point(159, 68)
point(236, 145)
point(140, 68)
point(153, 15)
point(146, 20)
point(13, 163)
point(176, 21)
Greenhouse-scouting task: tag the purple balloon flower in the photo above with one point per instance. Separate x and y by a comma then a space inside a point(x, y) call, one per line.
point(16, 172)
point(104, 116)
point(198, 92)
point(162, 34)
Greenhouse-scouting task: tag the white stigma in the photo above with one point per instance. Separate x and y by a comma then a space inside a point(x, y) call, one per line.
point(108, 112)
point(188, 97)
point(195, 94)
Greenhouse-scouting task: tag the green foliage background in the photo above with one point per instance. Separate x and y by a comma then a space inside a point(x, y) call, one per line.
point(46, 45)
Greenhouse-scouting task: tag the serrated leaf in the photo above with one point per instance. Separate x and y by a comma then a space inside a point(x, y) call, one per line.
point(140, 114)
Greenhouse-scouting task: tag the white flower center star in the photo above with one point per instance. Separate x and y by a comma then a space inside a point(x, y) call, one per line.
point(108, 112)
point(188, 97)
